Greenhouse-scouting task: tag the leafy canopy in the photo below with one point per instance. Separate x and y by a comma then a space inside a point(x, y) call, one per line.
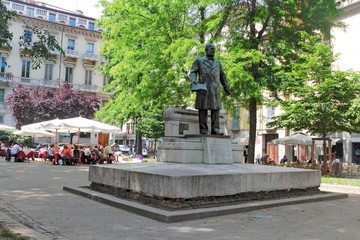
point(322, 97)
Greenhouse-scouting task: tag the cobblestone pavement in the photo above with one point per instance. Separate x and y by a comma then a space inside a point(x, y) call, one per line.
point(33, 203)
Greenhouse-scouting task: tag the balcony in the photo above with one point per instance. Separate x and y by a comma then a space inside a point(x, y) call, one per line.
point(5, 47)
point(25, 48)
point(71, 53)
point(90, 59)
point(35, 82)
point(71, 56)
point(6, 77)
point(85, 87)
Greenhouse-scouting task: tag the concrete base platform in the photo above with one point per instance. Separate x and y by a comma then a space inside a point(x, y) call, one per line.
point(176, 180)
point(185, 215)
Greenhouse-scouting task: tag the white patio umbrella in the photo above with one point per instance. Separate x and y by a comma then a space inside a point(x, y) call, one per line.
point(38, 133)
point(77, 124)
point(296, 139)
point(5, 127)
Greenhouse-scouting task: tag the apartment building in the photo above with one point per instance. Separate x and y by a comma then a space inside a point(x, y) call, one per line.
point(79, 37)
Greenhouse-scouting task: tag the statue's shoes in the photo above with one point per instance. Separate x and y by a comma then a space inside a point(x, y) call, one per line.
point(217, 132)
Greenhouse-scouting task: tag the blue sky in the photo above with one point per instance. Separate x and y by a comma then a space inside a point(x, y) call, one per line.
point(87, 6)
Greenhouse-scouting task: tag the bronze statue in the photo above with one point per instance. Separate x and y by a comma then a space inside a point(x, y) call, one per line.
point(206, 75)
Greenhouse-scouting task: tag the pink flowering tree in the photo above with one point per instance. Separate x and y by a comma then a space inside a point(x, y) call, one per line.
point(36, 104)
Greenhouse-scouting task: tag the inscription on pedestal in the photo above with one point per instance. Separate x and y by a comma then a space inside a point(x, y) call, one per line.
point(216, 150)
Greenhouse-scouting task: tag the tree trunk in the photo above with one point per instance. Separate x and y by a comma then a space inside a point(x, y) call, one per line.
point(252, 133)
point(138, 141)
point(323, 168)
point(155, 148)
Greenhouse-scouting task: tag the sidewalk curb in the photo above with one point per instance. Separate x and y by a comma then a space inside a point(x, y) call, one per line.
point(339, 188)
point(185, 215)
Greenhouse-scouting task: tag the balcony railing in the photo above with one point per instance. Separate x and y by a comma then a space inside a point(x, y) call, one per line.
point(72, 53)
point(35, 82)
point(90, 56)
point(50, 83)
point(85, 87)
point(6, 76)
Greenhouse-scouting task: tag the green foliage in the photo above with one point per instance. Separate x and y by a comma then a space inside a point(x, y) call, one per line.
point(4, 134)
point(322, 97)
point(151, 44)
point(341, 181)
point(150, 47)
point(5, 16)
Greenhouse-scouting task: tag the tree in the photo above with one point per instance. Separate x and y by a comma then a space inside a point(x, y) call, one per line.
point(151, 44)
point(262, 35)
point(38, 50)
point(323, 98)
point(147, 44)
point(31, 105)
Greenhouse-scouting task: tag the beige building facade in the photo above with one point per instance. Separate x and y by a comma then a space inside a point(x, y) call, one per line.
point(79, 38)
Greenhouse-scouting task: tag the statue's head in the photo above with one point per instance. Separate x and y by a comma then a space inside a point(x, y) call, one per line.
point(210, 50)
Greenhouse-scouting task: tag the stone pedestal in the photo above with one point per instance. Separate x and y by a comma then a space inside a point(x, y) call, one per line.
point(208, 149)
point(211, 177)
point(216, 150)
point(174, 185)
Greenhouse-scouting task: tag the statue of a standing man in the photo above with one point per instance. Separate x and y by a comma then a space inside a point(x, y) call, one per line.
point(206, 75)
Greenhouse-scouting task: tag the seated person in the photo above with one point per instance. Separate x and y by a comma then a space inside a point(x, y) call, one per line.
point(76, 154)
point(284, 159)
point(51, 152)
point(97, 157)
point(87, 154)
point(66, 154)
point(108, 150)
point(15, 149)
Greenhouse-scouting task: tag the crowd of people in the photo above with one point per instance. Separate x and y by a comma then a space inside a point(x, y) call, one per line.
point(66, 154)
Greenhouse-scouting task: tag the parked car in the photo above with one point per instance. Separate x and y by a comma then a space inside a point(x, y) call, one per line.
point(144, 152)
point(121, 149)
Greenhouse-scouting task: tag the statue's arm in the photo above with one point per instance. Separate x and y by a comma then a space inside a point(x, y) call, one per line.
point(224, 82)
point(194, 71)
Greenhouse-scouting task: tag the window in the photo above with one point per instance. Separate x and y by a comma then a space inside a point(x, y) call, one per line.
point(2, 64)
point(71, 44)
point(30, 12)
point(236, 120)
point(27, 36)
point(88, 77)
point(52, 17)
point(72, 22)
point(63, 18)
point(41, 12)
point(25, 69)
point(90, 48)
point(91, 26)
point(69, 74)
point(2, 95)
point(49, 71)
point(1, 119)
point(270, 113)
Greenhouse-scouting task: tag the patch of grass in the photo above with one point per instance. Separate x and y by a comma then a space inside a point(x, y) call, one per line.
point(341, 181)
point(7, 234)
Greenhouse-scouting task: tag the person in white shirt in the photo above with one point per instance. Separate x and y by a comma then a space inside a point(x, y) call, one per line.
point(15, 149)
